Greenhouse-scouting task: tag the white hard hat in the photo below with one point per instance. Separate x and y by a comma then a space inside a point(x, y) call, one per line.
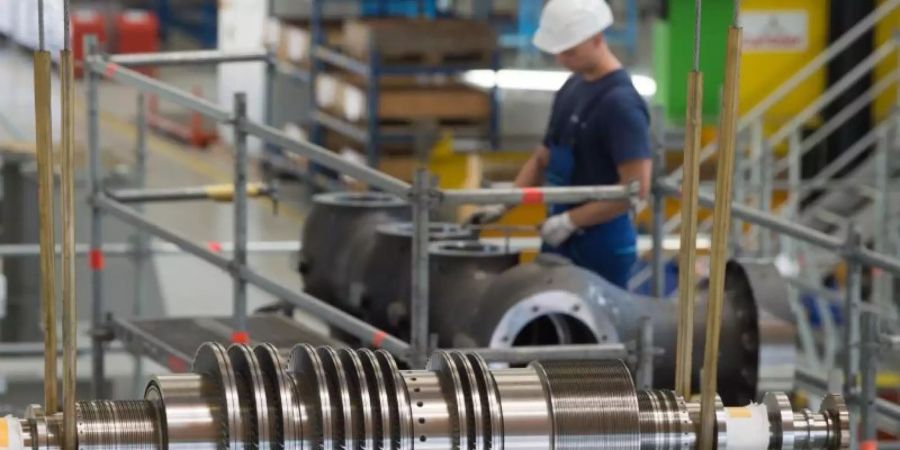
point(567, 23)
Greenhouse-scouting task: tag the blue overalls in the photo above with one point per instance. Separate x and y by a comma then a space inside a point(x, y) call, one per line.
point(608, 249)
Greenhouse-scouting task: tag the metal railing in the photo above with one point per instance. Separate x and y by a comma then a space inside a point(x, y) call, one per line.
point(422, 196)
point(758, 172)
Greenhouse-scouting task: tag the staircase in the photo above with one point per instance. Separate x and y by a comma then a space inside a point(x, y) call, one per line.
point(852, 192)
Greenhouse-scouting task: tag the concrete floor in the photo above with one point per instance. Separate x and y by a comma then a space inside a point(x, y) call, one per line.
point(187, 286)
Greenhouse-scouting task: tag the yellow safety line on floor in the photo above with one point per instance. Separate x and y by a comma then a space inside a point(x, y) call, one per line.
point(174, 152)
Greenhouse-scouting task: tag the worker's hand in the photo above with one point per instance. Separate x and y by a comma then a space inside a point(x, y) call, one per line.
point(487, 215)
point(557, 229)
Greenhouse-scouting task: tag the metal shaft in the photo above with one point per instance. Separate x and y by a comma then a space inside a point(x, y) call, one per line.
point(96, 256)
point(720, 233)
point(249, 397)
point(686, 263)
point(240, 218)
point(44, 131)
point(419, 304)
point(67, 194)
point(140, 240)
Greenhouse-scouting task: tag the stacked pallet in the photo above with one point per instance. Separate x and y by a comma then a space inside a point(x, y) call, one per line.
point(291, 40)
point(415, 59)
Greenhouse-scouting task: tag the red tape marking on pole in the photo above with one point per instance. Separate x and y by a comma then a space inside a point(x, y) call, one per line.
point(214, 246)
point(111, 70)
point(868, 445)
point(532, 196)
point(176, 364)
point(378, 338)
point(240, 337)
point(95, 258)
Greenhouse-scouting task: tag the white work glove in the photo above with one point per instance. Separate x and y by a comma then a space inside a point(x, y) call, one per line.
point(557, 229)
point(487, 215)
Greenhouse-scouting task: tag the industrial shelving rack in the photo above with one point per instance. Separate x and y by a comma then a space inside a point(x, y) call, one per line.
point(370, 136)
point(372, 71)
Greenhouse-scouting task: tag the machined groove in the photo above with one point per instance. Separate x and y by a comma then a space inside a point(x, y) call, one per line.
point(212, 362)
point(594, 404)
point(490, 402)
point(380, 404)
point(345, 423)
point(108, 425)
point(327, 399)
point(362, 407)
point(284, 424)
point(451, 384)
point(310, 375)
point(401, 423)
point(253, 396)
point(475, 420)
point(664, 421)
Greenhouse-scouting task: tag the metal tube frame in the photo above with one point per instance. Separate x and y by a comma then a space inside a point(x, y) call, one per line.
point(244, 275)
point(140, 240)
point(138, 196)
point(102, 202)
point(239, 258)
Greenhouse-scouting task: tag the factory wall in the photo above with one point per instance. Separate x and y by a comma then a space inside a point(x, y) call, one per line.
point(780, 37)
point(885, 30)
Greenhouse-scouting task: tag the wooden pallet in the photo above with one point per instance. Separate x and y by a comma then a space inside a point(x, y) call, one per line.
point(420, 41)
point(291, 39)
point(402, 102)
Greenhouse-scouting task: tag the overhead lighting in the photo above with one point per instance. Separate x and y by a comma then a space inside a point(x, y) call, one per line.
point(540, 80)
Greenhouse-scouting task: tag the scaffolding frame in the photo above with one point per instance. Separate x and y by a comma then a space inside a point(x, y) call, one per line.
point(424, 197)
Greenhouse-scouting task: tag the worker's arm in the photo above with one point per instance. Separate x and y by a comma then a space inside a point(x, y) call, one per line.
point(602, 211)
point(532, 173)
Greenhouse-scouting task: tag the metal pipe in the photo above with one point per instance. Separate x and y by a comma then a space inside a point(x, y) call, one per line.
point(869, 370)
point(338, 59)
point(887, 410)
point(839, 119)
point(239, 258)
point(659, 202)
point(140, 239)
point(766, 249)
point(778, 224)
point(514, 196)
point(688, 253)
point(135, 219)
point(891, 341)
point(852, 319)
point(323, 156)
point(189, 57)
point(34, 349)
point(833, 92)
point(327, 313)
point(646, 351)
point(121, 249)
point(43, 66)
point(419, 307)
point(850, 154)
point(525, 355)
point(719, 252)
point(67, 197)
point(96, 254)
point(216, 192)
point(882, 282)
point(163, 90)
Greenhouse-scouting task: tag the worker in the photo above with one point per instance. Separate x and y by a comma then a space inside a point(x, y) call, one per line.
point(598, 135)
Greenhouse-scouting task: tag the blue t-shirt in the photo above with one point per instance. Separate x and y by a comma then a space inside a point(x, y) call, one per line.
point(605, 122)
